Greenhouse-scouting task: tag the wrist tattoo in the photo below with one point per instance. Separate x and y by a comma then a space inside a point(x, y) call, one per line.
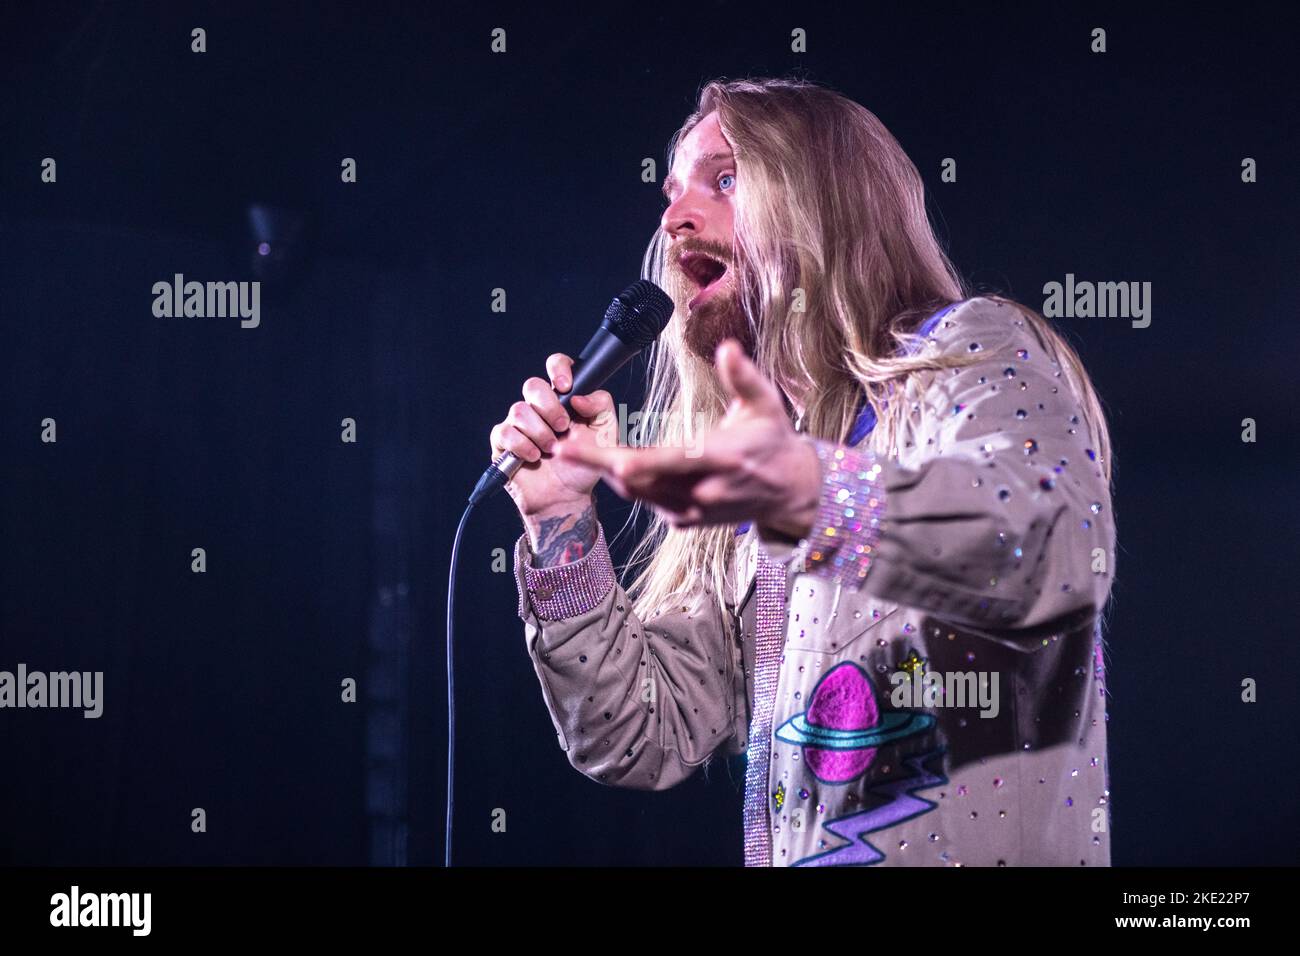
point(565, 538)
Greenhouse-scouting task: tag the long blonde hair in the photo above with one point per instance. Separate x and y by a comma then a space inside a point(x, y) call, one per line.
point(828, 203)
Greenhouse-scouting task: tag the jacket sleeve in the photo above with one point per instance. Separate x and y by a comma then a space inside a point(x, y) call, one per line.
point(635, 704)
point(1001, 518)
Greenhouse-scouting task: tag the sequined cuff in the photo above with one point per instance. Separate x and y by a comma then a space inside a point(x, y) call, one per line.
point(842, 543)
point(567, 590)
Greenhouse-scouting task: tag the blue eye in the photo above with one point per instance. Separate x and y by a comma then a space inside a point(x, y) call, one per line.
point(722, 181)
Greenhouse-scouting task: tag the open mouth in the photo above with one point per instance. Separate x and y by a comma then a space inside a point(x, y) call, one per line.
point(704, 270)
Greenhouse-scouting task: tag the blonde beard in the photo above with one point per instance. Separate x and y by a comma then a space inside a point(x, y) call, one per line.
point(716, 320)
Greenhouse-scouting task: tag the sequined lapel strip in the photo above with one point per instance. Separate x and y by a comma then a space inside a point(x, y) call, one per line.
point(769, 640)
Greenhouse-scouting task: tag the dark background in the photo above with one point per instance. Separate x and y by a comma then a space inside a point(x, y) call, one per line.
point(522, 171)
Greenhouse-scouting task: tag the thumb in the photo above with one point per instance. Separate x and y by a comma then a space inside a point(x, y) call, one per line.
point(741, 379)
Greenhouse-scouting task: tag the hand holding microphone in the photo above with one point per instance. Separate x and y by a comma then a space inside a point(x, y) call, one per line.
point(543, 484)
point(633, 320)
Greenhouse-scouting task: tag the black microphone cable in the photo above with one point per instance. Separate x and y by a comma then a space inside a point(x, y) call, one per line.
point(633, 320)
point(451, 686)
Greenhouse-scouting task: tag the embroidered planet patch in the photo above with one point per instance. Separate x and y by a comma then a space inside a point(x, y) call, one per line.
point(842, 727)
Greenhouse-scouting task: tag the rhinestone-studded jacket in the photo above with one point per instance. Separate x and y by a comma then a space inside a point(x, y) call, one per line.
point(918, 683)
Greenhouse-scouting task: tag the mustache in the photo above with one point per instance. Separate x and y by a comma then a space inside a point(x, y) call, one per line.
point(706, 247)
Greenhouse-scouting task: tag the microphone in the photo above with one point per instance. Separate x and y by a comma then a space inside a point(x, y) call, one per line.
point(633, 320)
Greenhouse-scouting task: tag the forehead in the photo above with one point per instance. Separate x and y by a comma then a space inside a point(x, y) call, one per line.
point(704, 139)
point(703, 143)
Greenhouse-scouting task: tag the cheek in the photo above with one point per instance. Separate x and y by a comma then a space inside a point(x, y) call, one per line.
point(729, 225)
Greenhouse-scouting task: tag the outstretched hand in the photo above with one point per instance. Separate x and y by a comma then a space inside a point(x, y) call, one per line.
point(752, 466)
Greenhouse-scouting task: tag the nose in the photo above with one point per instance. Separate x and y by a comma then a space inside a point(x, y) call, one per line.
point(682, 218)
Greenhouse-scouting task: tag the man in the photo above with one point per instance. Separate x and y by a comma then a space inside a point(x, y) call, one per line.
point(880, 570)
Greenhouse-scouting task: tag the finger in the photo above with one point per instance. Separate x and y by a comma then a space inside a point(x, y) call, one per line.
point(529, 423)
point(741, 378)
point(605, 458)
point(637, 466)
point(508, 438)
point(560, 368)
point(713, 491)
point(542, 397)
point(687, 518)
point(593, 403)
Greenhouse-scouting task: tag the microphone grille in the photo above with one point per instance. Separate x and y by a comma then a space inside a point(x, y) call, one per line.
point(639, 313)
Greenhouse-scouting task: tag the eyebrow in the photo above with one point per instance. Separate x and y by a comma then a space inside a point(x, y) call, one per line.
point(705, 160)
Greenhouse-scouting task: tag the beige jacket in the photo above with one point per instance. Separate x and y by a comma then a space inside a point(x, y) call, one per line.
point(993, 559)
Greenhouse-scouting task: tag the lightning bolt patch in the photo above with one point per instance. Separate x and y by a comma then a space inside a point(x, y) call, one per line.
point(902, 806)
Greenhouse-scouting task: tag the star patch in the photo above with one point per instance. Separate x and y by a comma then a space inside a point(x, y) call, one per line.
point(912, 663)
